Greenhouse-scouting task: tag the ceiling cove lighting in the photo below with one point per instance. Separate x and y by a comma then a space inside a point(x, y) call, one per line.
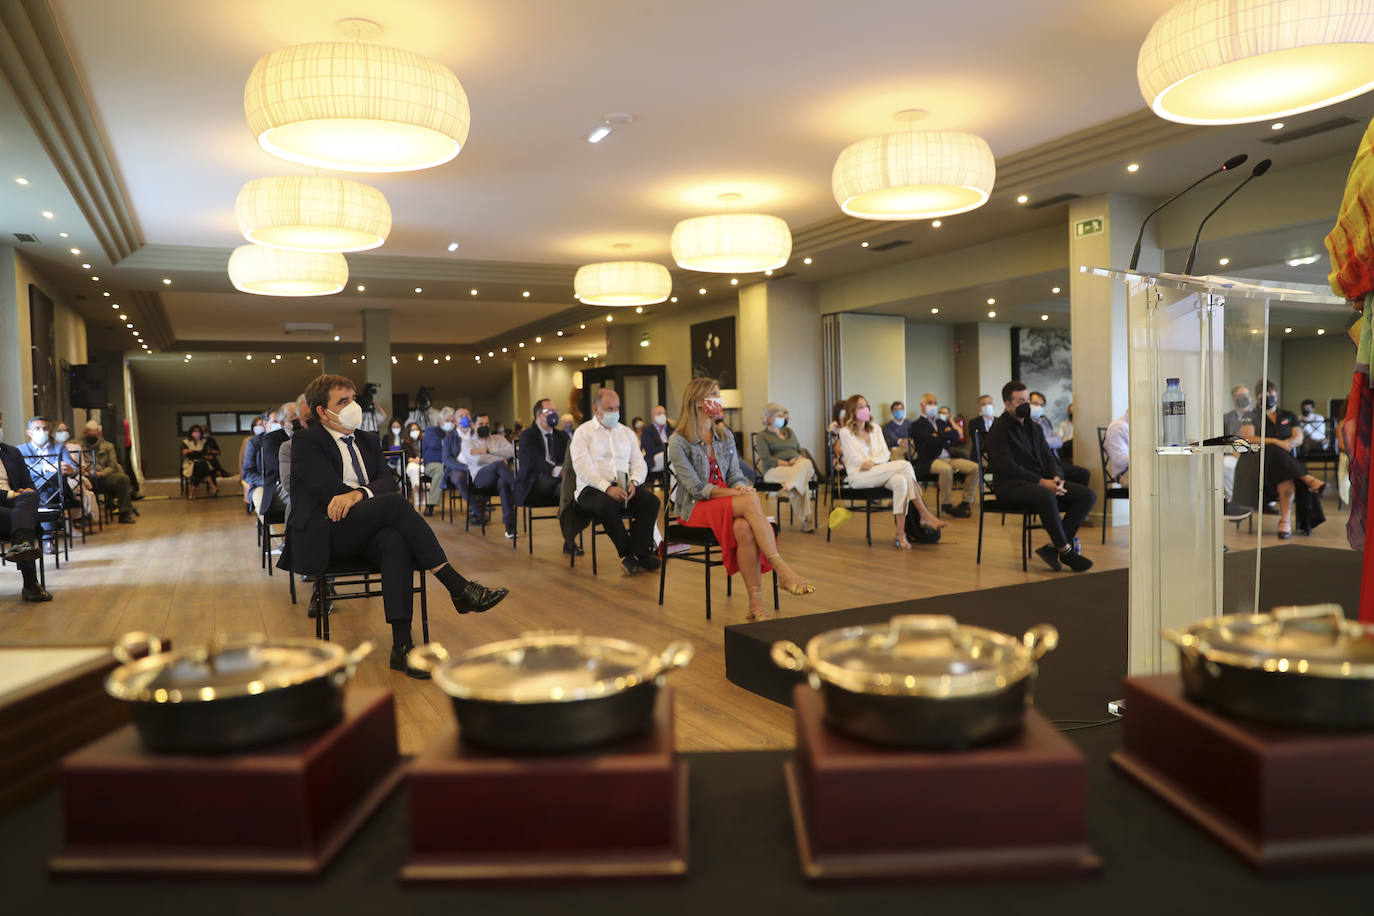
point(1238, 61)
point(731, 243)
point(277, 272)
point(622, 283)
point(312, 213)
point(914, 174)
point(356, 107)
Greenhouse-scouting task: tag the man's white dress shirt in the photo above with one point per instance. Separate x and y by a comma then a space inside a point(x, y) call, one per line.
point(599, 455)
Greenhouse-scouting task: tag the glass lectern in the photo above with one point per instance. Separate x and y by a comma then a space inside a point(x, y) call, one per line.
point(1212, 334)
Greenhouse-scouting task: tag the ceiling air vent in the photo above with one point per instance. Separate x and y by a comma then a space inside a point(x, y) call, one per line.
point(1051, 201)
point(28, 238)
point(888, 246)
point(308, 327)
point(1302, 133)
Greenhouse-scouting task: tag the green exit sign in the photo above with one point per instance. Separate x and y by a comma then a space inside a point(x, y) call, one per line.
point(1087, 227)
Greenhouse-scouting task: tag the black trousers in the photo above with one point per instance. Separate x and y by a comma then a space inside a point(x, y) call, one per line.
point(391, 535)
point(19, 512)
point(1075, 504)
point(643, 510)
point(545, 490)
point(1074, 474)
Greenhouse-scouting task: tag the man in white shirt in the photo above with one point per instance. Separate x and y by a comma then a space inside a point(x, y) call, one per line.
point(1118, 445)
point(486, 455)
point(610, 470)
point(1313, 428)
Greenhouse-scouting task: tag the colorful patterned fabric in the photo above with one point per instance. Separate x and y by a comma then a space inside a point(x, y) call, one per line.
point(1351, 242)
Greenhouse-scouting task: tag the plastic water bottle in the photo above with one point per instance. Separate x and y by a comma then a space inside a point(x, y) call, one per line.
point(1175, 415)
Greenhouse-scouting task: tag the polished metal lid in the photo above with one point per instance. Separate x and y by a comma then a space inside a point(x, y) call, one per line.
point(919, 655)
point(1315, 640)
point(230, 666)
point(548, 667)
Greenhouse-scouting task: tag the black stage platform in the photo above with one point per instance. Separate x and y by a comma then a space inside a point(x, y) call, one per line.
point(1078, 678)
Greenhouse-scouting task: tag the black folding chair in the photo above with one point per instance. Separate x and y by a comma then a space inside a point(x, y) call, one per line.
point(988, 503)
point(1112, 487)
point(700, 543)
point(764, 486)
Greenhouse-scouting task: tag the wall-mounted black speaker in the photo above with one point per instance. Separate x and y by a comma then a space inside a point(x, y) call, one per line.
point(89, 386)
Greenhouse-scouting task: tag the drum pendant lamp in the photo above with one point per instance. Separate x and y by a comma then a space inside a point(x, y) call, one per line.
point(622, 283)
point(1236, 61)
point(277, 272)
point(312, 213)
point(731, 243)
point(356, 107)
point(914, 174)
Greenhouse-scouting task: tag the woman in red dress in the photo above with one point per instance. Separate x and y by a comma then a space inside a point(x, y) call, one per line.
point(712, 492)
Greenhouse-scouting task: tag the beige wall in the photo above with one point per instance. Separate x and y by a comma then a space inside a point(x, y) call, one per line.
point(17, 272)
point(160, 443)
point(1318, 368)
point(930, 365)
point(873, 360)
point(669, 344)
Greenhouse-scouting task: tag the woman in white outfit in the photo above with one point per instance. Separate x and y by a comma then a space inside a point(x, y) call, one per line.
point(867, 465)
point(784, 462)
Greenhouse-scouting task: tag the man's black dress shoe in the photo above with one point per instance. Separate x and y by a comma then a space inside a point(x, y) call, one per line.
point(35, 593)
point(648, 562)
point(960, 511)
point(429, 511)
point(573, 549)
point(1050, 554)
point(474, 598)
point(22, 550)
point(314, 610)
point(126, 519)
point(399, 663)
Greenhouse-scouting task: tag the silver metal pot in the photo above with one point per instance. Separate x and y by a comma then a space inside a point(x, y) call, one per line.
point(552, 691)
point(1296, 666)
point(236, 692)
point(922, 680)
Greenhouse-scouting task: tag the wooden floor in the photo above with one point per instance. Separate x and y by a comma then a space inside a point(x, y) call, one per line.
point(190, 570)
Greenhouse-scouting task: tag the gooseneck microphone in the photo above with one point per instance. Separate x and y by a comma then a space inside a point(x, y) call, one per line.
point(1233, 162)
point(1259, 169)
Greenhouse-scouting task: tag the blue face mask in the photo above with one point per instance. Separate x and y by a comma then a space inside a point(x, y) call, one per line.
point(899, 415)
point(446, 427)
point(464, 423)
point(610, 418)
point(779, 421)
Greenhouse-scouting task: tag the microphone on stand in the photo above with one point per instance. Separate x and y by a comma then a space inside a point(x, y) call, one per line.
point(1233, 162)
point(1259, 169)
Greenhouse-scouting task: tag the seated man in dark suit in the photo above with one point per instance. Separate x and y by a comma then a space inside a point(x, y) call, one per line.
point(345, 504)
point(251, 471)
point(982, 422)
point(269, 457)
point(1026, 473)
point(933, 441)
point(19, 520)
point(653, 440)
point(543, 447)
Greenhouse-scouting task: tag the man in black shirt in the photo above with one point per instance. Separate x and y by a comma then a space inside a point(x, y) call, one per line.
point(1026, 473)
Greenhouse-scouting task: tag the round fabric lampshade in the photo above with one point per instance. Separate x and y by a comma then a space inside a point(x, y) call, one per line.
point(621, 283)
point(356, 107)
point(279, 272)
point(1235, 61)
point(731, 243)
point(312, 213)
point(914, 174)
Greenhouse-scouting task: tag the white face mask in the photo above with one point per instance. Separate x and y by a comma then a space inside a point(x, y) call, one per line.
point(258, 430)
point(447, 426)
point(660, 419)
point(273, 426)
point(987, 411)
point(932, 410)
point(414, 434)
point(61, 436)
point(39, 437)
point(1037, 411)
point(350, 416)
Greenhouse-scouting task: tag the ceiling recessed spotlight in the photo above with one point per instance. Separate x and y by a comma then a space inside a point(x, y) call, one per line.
point(1302, 262)
point(1044, 317)
point(123, 318)
point(538, 340)
point(806, 260)
point(525, 293)
point(95, 279)
point(582, 327)
point(452, 246)
point(639, 310)
point(278, 356)
point(599, 133)
point(448, 357)
point(419, 289)
point(1224, 261)
point(436, 360)
point(863, 244)
point(560, 359)
point(531, 359)
point(115, 306)
point(505, 349)
point(734, 281)
point(74, 250)
point(145, 346)
point(393, 360)
point(129, 325)
point(62, 235)
point(992, 314)
point(672, 298)
point(419, 357)
point(188, 355)
point(166, 281)
point(1022, 199)
point(522, 345)
point(936, 223)
point(610, 318)
point(478, 357)
point(361, 288)
point(21, 181)
point(1277, 125)
point(1321, 331)
point(702, 291)
point(768, 273)
point(992, 301)
point(472, 292)
point(1055, 290)
point(1288, 330)
point(106, 295)
point(560, 333)
point(47, 214)
point(935, 311)
point(249, 357)
point(85, 267)
point(355, 360)
point(1133, 167)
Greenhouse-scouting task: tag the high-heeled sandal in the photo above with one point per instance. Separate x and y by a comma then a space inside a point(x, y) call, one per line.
point(756, 597)
point(798, 585)
point(898, 545)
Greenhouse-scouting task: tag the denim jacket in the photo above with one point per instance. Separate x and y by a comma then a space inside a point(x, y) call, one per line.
point(692, 470)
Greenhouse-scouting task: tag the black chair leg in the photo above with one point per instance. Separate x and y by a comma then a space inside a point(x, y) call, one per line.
point(424, 607)
point(708, 581)
point(662, 576)
point(979, 561)
point(775, 589)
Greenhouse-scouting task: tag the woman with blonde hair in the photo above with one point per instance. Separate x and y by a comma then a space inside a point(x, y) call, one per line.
point(785, 462)
point(867, 465)
point(712, 492)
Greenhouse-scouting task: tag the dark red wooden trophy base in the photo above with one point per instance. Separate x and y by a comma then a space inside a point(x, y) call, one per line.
point(868, 813)
point(1282, 799)
point(612, 813)
point(284, 809)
